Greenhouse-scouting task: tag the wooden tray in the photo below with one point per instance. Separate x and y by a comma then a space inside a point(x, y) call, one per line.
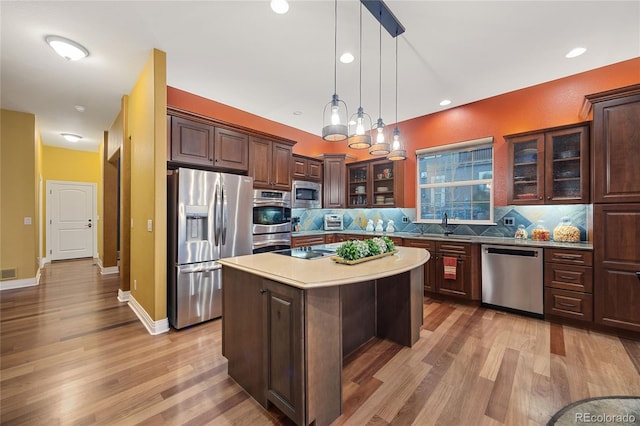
point(338, 259)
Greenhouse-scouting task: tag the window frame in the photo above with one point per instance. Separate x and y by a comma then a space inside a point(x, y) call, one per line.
point(466, 146)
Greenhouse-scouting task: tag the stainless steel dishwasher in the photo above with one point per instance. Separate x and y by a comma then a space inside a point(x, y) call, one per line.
point(512, 278)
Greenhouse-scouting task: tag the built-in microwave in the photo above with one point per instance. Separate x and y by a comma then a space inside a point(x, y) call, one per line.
point(306, 195)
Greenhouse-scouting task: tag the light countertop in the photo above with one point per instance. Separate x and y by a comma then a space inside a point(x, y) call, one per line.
point(324, 272)
point(475, 239)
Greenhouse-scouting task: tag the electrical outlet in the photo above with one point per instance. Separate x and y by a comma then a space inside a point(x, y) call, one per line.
point(508, 221)
point(405, 219)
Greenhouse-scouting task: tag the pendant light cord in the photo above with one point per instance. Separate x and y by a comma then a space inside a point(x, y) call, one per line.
point(335, 47)
point(396, 81)
point(360, 48)
point(380, 80)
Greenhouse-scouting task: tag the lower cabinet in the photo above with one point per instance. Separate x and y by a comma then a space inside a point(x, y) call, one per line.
point(429, 268)
point(568, 284)
point(617, 265)
point(284, 348)
point(307, 240)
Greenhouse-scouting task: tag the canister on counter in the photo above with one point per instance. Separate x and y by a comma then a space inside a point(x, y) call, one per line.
point(566, 231)
point(540, 232)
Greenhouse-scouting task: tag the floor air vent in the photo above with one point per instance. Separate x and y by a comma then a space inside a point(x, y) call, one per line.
point(8, 274)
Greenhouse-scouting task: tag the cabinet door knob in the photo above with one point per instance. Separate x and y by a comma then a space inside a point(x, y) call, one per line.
point(548, 197)
point(263, 291)
point(638, 275)
point(540, 198)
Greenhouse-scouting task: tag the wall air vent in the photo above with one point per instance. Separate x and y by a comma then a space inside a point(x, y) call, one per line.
point(8, 274)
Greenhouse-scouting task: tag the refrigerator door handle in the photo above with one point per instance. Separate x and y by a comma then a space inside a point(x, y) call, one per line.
point(224, 215)
point(216, 214)
point(190, 269)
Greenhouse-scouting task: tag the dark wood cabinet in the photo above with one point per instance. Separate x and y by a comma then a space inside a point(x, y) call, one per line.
point(549, 166)
point(568, 284)
point(305, 168)
point(460, 286)
point(333, 196)
point(308, 240)
point(616, 138)
point(375, 183)
point(191, 142)
point(429, 267)
point(617, 265)
point(231, 150)
point(285, 348)
point(270, 164)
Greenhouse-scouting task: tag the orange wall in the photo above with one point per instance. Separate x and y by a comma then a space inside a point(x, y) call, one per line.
point(550, 104)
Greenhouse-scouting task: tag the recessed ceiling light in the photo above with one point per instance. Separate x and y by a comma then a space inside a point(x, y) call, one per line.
point(445, 102)
point(280, 6)
point(68, 49)
point(575, 52)
point(346, 58)
point(297, 112)
point(71, 137)
point(79, 108)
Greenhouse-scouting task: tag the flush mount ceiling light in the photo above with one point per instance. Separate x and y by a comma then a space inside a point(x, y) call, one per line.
point(70, 137)
point(280, 6)
point(346, 58)
point(68, 49)
point(360, 123)
point(575, 52)
point(445, 102)
point(335, 115)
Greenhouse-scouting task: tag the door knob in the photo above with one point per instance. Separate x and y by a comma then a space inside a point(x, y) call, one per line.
point(89, 226)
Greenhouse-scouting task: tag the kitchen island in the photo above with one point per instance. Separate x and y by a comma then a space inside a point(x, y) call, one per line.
point(287, 323)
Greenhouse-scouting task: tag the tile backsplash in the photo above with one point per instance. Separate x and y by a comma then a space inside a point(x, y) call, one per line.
point(356, 219)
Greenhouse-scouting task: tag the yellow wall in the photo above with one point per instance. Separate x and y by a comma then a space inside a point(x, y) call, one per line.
point(73, 166)
point(18, 193)
point(148, 135)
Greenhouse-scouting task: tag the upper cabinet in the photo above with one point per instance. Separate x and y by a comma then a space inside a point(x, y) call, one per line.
point(375, 183)
point(197, 142)
point(616, 138)
point(305, 168)
point(549, 166)
point(270, 163)
point(333, 196)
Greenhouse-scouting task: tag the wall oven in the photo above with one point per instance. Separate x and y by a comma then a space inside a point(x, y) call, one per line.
point(307, 195)
point(271, 220)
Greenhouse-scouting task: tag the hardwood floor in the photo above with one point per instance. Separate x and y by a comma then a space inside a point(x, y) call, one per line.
point(72, 354)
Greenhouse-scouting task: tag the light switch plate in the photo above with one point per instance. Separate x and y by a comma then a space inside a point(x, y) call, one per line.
point(149, 225)
point(508, 221)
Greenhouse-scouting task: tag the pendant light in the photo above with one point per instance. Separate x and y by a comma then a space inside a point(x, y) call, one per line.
point(360, 122)
point(397, 146)
point(380, 146)
point(335, 113)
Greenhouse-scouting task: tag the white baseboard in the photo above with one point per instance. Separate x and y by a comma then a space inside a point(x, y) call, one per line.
point(153, 327)
point(44, 261)
point(25, 282)
point(123, 296)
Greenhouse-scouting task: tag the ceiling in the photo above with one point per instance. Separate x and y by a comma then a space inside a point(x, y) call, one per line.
point(242, 54)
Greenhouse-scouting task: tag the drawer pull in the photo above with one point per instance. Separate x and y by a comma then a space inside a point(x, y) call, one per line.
point(569, 256)
point(568, 305)
point(638, 274)
point(566, 277)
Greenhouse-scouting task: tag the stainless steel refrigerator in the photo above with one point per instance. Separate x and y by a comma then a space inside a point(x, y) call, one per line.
point(209, 217)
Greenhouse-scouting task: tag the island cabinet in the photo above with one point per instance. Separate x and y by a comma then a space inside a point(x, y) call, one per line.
point(375, 183)
point(270, 164)
point(549, 166)
point(568, 284)
point(199, 143)
point(305, 168)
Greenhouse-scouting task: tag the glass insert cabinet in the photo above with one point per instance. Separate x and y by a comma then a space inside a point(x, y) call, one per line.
point(457, 182)
point(549, 166)
point(375, 183)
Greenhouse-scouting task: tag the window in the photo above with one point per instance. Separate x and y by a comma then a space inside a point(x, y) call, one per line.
point(458, 181)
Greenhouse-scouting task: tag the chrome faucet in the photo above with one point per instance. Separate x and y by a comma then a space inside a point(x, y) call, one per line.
point(445, 224)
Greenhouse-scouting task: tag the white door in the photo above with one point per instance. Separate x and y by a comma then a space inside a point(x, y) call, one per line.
point(70, 209)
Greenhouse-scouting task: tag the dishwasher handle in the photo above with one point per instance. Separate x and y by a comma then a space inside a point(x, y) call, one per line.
point(511, 252)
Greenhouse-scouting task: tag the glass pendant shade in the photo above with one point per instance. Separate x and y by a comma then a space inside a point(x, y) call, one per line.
point(334, 117)
point(380, 145)
point(397, 147)
point(359, 125)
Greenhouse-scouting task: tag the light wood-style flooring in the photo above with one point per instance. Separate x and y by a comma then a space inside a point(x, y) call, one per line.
point(71, 354)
